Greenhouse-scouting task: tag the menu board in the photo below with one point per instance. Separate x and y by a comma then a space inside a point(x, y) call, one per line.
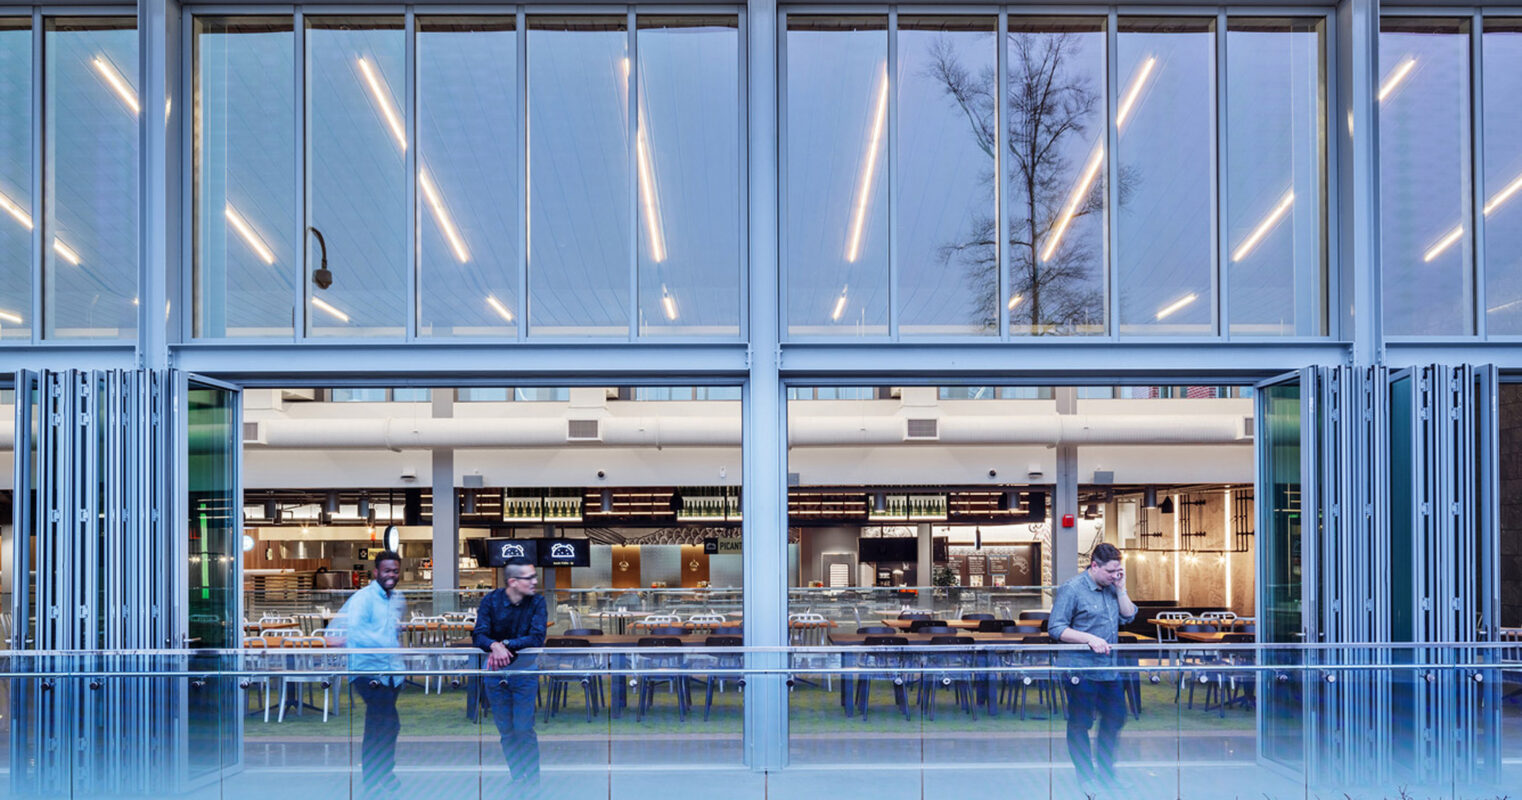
point(998, 570)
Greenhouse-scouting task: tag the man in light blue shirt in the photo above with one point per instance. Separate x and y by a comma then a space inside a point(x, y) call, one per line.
point(372, 618)
point(1089, 610)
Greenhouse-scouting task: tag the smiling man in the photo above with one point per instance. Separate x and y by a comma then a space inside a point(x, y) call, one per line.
point(372, 618)
point(1089, 610)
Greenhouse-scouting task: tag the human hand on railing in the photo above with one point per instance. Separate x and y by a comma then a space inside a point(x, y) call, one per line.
point(1099, 645)
point(500, 656)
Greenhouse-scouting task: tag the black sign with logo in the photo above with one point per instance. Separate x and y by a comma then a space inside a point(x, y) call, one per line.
point(498, 551)
point(564, 552)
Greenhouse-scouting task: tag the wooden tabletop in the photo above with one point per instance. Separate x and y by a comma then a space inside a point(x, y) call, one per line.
point(966, 624)
point(632, 640)
point(1239, 622)
point(1198, 636)
point(855, 639)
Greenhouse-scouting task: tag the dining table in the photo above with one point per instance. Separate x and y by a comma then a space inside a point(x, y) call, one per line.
point(618, 686)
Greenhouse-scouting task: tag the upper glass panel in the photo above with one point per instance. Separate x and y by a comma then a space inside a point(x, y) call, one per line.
point(247, 245)
point(356, 130)
point(90, 164)
point(1503, 176)
point(688, 168)
point(1165, 116)
point(16, 212)
point(1425, 246)
point(835, 222)
point(470, 197)
point(579, 181)
point(1275, 222)
point(946, 82)
point(1057, 175)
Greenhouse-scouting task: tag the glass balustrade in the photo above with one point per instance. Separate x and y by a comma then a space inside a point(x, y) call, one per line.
point(907, 715)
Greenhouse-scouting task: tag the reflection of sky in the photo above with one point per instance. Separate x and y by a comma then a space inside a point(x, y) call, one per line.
point(690, 111)
point(1273, 146)
point(1421, 125)
point(468, 134)
point(356, 180)
point(579, 182)
point(832, 88)
point(92, 185)
point(1165, 231)
point(16, 181)
point(1503, 165)
point(944, 185)
point(248, 162)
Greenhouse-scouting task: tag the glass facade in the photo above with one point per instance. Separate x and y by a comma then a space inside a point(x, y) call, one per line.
point(16, 180)
point(1502, 175)
point(90, 168)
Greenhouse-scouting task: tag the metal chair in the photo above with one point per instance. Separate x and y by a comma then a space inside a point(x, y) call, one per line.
point(563, 669)
point(657, 668)
point(958, 665)
point(889, 666)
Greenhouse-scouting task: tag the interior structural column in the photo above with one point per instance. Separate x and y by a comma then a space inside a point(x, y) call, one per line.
point(925, 565)
point(446, 529)
point(764, 438)
point(1065, 503)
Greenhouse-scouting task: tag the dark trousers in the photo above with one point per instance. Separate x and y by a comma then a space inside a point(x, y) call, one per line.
point(512, 709)
point(1086, 700)
point(378, 750)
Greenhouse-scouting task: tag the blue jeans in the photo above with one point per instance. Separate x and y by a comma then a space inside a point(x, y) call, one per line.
point(1087, 699)
point(512, 709)
point(378, 750)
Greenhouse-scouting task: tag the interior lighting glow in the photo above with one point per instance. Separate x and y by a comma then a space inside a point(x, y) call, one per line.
point(1265, 226)
point(117, 83)
point(1014, 300)
point(840, 305)
point(16, 211)
point(11, 317)
point(499, 308)
point(382, 98)
point(1395, 77)
point(1177, 304)
point(868, 172)
point(441, 215)
point(649, 198)
point(65, 252)
point(1444, 243)
point(1096, 159)
point(1503, 195)
point(249, 236)
point(328, 307)
point(668, 303)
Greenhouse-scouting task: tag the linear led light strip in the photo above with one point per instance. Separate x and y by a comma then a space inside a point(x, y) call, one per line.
point(868, 172)
point(252, 238)
point(64, 251)
point(1458, 231)
point(328, 307)
point(1177, 305)
point(1386, 88)
point(382, 97)
point(497, 306)
point(118, 83)
point(1091, 169)
point(649, 198)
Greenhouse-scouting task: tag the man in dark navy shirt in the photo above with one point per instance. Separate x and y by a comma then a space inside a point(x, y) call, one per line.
point(510, 620)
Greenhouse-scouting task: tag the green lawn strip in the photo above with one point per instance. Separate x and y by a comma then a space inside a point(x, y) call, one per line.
point(811, 711)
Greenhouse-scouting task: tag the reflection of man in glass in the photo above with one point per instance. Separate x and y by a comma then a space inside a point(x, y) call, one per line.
point(510, 620)
point(373, 618)
point(1089, 609)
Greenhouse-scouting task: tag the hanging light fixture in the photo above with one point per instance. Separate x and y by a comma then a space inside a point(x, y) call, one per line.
point(1149, 497)
point(607, 501)
point(468, 501)
point(977, 538)
point(879, 502)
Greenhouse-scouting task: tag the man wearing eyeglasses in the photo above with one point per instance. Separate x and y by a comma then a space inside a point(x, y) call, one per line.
point(510, 620)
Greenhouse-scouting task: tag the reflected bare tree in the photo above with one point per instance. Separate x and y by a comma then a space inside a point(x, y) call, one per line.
point(1048, 107)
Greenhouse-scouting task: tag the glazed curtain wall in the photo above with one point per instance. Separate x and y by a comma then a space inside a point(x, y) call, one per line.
point(1450, 170)
point(473, 177)
point(1013, 176)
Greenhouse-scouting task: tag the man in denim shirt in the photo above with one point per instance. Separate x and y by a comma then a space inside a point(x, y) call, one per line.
point(372, 618)
point(512, 619)
point(1089, 610)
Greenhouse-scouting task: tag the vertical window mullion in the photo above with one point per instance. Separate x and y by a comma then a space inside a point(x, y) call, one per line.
point(1112, 176)
point(412, 162)
point(38, 203)
point(523, 174)
point(303, 237)
point(632, 126)
point(1219, 219)
point(891, 186)
point(1001, 142)
point(1477, 168)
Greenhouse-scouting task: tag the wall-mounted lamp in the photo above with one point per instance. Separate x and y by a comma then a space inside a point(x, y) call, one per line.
point(321, 276)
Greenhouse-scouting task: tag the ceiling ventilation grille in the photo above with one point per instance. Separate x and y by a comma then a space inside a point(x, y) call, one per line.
point(921, 430)
point(252, 433)
point(583, 430)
